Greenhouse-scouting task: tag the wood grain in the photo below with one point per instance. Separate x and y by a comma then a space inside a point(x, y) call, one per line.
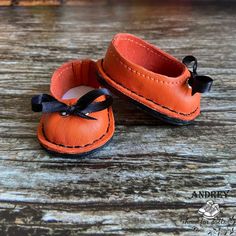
point(142, 182)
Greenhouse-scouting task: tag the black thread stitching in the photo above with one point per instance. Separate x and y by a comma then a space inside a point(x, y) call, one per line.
point(180, 113)
point(86, 145)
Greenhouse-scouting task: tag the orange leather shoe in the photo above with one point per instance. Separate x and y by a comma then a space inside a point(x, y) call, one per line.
point(152, 79)
point(77, 119)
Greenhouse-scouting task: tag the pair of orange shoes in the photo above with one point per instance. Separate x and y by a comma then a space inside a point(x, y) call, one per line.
point(77, 117)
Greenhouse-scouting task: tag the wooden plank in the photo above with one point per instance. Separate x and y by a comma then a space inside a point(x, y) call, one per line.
point(45, 219)
point(142, 182)
point(52, 2)
point(30, 2)
point(163, 179)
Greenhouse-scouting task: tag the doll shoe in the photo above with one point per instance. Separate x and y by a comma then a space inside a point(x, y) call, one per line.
point(77, 117)
point(152, 79)
point(206, 207)
point(212, 212)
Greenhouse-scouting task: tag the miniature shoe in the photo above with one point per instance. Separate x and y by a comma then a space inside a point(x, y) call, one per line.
point(152, 79)
point(212, 212)
point(77, 119)
point(206, 207)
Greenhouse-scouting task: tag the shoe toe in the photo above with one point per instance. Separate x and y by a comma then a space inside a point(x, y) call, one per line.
point(73, 134)
point(201, 211)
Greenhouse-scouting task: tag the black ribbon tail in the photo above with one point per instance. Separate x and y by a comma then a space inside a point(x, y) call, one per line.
point(199, 83)
point(38, 100)
point(85, 116)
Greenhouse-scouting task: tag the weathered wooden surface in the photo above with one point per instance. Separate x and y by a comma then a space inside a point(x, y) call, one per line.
point(52, 2)
point(142, 182)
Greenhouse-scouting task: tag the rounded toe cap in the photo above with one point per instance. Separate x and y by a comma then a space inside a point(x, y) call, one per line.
point(73, 134)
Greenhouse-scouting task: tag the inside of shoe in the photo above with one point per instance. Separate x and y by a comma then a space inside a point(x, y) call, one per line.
point(77, 92)
point(74, 79)
point(145, 56)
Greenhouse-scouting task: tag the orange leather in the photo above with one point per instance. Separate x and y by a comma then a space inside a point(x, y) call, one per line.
point(73, 134)
point(150, 76)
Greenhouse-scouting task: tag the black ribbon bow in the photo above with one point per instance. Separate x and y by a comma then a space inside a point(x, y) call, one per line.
point(85, 104)
point(199, 83)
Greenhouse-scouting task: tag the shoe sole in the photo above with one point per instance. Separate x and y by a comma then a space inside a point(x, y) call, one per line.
point(75, 156)
point(148, 110)
point(201, 213)
point(211, 217)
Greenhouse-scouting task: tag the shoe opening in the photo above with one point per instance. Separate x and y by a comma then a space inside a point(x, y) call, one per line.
point(147, 56)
